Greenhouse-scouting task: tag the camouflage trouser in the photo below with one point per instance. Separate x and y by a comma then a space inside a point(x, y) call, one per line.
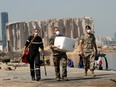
point(89, 61)
point(63, 59)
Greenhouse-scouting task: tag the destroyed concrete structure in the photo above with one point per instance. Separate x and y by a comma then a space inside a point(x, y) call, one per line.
point(18, 32)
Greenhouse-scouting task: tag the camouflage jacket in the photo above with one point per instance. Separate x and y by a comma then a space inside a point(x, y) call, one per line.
point(88, 42)
point(51, 42)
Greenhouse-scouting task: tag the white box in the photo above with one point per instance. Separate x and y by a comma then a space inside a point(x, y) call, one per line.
point(66, 44)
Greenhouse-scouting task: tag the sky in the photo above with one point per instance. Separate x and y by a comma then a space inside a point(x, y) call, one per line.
point(103, 12)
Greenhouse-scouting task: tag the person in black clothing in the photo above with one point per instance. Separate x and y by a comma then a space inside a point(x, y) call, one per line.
point(34, 54)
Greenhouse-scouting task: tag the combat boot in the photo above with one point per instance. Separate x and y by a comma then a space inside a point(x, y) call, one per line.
point(33, 78)
point(58, 79)
point(38, 78)
point(92, 73)
point(65, 79)
point(85, 73)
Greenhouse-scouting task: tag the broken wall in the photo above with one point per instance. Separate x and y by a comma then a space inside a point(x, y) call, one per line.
point(18, 32)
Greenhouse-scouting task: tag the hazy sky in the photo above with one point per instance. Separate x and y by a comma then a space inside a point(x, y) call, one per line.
point(102, 11)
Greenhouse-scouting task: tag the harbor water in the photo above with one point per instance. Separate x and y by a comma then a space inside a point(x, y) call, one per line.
point(111, 59)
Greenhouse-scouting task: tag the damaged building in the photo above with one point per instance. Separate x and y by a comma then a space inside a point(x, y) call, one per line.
point(18, 32)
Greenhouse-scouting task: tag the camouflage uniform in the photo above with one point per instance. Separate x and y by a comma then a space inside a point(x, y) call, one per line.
point(57, 57)
point(88, 43)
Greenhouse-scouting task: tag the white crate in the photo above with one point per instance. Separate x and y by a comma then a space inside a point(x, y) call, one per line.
point(66, 44)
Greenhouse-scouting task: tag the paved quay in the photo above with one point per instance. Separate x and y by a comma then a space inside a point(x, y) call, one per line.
point(21, 78)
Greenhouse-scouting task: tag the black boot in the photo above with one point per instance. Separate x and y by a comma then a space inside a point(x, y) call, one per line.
point(38, 78)
point(33, 78)
point(32, 74)
point(38, 74)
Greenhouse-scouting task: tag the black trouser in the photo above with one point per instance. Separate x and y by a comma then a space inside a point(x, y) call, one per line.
point(35, 65)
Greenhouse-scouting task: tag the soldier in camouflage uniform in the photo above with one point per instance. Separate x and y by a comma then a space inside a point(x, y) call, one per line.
point(88, 50)
point(58, 56)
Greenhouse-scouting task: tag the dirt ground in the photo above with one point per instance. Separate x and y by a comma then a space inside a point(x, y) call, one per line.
point(21, 78)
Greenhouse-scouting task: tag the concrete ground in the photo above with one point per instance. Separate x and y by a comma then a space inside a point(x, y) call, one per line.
point(21, 78)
